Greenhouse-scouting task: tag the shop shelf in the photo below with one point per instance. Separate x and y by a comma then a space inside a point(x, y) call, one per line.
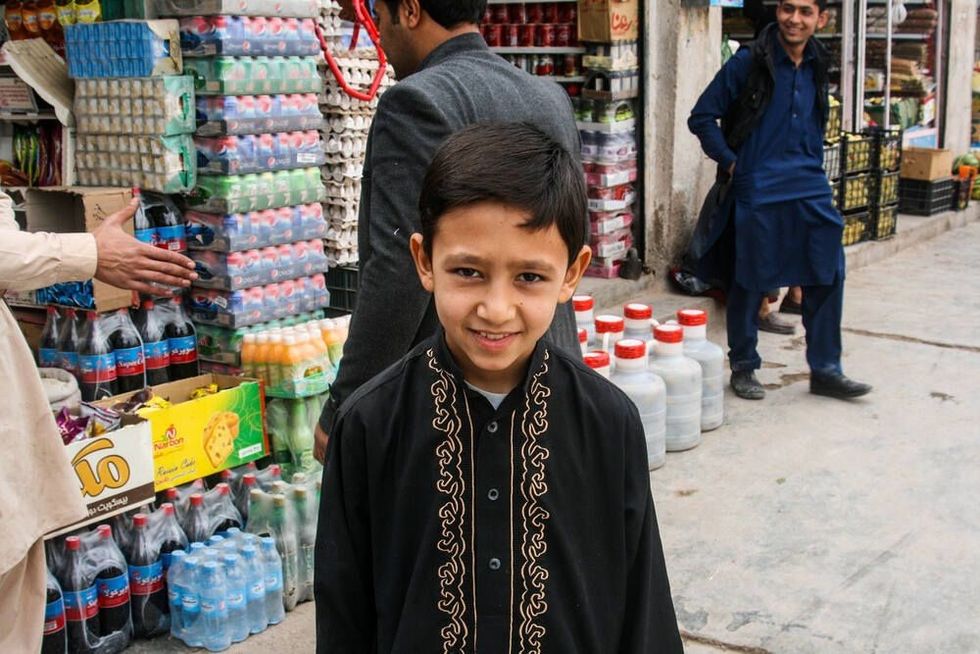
point(883, 221)
point(857, 227)
point(831, 160)
point(922, 198)
point(342, 283)
point(855, 191)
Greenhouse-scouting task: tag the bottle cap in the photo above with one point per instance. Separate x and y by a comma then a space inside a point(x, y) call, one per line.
point(91, 315)
point(249, 479)
point(583, 336)
point(104, 532)
point(609, 324)
point(669, 334)
point(597, 359)
point(168, 508)
point(139, 520)
point(197, 499)
point(275, 469)
point(630, 348)
point(692, 317)
point(73, 543)
point(583, 303)
point(149, 305)
point(636, 311)
point(51, 311)
point(223, 489)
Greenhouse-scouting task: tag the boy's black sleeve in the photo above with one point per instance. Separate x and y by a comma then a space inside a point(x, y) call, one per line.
point(650, 625)
point(343, 586)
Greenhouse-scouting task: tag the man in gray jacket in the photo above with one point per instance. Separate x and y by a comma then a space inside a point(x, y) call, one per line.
point(448, 79)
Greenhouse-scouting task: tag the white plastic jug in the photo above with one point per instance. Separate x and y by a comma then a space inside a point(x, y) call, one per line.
point(648, 393)
point(639, 321)
point(683, 379)
point(598, 361)
point(584, 307)
point(608, 331)
point(712, 360)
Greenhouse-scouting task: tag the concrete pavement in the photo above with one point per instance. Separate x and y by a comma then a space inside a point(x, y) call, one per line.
point(806, 524)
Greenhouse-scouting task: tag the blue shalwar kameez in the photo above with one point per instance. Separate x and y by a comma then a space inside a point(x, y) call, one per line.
point(786, 230)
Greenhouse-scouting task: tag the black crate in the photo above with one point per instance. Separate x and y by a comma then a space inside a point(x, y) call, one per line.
point(831, 160)
point(855, 192)
point(885, 188)
point(858, 152)
point(342, 284)
point(857, 227)
point(922, 198)
point(883, 221)
point(887, 149)
point(833, 131)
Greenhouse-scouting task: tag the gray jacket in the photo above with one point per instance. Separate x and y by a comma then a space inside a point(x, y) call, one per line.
point(460, 83)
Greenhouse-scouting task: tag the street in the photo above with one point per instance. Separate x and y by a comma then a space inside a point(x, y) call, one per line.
point(807, 524)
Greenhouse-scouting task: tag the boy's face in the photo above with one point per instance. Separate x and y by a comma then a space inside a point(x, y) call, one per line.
point(799, 20)
point(496, 286)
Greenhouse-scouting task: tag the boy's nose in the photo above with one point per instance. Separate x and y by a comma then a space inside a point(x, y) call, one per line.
point(497, 306)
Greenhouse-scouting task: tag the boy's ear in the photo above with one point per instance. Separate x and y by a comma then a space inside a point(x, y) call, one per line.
point(574, 274)
point(423, 265)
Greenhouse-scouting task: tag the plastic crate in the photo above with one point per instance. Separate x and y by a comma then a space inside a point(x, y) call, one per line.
point(857, 227)
point(923, 198)
point(342, 283)
point(831, 160)
point(885, 188)
point(833, 130)
point(858, 148)
point(855, 191)
point(883, 221)
point(887, 149)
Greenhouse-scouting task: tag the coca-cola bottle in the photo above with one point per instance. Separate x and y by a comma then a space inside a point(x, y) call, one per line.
point(167, 220)
point(112, 583)
point(55, 640)
point(68, 342)
point(197, 522)
point(47, 350)
point(182, 341)
point(170, 535)
point(150, 604)
point(128, 349)
point(143, 228)
point(81, 600)
point(96, 362)
point(225, 507)
point(156, 347)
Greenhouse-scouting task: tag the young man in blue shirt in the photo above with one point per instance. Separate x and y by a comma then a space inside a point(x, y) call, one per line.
point(773, 223)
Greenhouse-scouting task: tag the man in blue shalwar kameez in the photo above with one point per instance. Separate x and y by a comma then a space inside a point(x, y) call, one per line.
point(769, 221)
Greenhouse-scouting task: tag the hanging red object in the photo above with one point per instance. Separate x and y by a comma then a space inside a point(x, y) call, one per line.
point(362, 18)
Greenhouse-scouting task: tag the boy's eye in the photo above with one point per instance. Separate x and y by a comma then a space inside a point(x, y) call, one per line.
point(466, 272)
point(529, 278)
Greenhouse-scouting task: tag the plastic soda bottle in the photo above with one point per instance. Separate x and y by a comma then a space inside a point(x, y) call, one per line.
point(235, 598)
point(255, 595)
point(272, 565)
point(47, 351)
point(214, 608)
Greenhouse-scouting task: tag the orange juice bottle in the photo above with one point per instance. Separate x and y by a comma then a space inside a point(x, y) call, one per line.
point(15, 20)
point(276, 355)
point(291, 362)
point(248, 356)
point(28, 12)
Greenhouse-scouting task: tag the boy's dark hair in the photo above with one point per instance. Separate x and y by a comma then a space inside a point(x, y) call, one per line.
point(448, 13)
point(821, 4)
point(515, 164)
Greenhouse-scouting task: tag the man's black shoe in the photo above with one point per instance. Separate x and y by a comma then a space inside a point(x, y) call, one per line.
point(746, 386)
point(788, 306)
point(836, 385)
point(773, 325)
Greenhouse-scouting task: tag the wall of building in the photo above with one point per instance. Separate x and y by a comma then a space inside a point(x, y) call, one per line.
point(962, 39)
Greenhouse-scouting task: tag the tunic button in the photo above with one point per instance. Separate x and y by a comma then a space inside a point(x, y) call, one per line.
point(493, 494)
point(495, 564)
point(492, 428)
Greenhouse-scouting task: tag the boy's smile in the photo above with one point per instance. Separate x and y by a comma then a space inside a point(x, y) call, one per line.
point(496, 286)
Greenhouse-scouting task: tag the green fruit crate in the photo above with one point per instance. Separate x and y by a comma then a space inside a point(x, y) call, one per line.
point(885, 188)
point(857, 227)
point(883, 221)
point(858, 151)
point(855, 191)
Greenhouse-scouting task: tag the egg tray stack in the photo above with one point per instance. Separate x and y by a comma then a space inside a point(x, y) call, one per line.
point(254, 219)
point(346, 124)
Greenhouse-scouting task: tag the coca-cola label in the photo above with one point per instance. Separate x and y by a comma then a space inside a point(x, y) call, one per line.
point(81, 605)
point(54, 617)
point(68, 360)
point(148, 236)
point(172, 237)
point(146, 579)
point(130, 362)
point(47, 357)
point(183, 349)
point(113, 591)
point(97, 368)
point(157, 355)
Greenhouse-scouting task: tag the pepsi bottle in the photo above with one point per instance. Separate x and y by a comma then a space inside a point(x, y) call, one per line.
point(150, 604)
point(81, 601)
point(96, 362)
point(55, 639)
point(156, 347)
point(112, 585)
point(128, 350)
point(47, 351)
point(182, 340)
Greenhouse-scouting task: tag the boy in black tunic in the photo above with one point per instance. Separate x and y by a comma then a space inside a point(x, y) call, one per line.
point(489, 493)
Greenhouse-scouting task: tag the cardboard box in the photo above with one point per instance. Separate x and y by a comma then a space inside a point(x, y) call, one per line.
point(605, 21)
point(78, 209)
point(926, 164)
point(115, 471)
point(195, 438)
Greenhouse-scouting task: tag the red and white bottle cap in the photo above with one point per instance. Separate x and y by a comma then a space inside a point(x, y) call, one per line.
point(609, 324)
point(637, 311)
point(692, 317)
point(669, 334)
point(630, 348)
point(596, 360)
point(583, 303)
point(140, 520)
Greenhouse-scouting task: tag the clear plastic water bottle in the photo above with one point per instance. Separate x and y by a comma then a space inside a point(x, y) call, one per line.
point(648, 393)
point(275, 610)
point(712, 360)
point(683, 379)
point(190, 602)
point(638, 320)
point(235, 599)
point(258, 619)
point(214, 609)
point(174, 593)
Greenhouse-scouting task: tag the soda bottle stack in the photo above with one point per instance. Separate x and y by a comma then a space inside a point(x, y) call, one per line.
point(347, 121)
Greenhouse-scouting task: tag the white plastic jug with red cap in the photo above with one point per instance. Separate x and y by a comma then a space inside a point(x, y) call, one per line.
point(712, 360)
point(639, 321)
point(609, 330)
point(598, 361)
point(583, 340)
point(648, 392)
point(682, 377)
point(584, 307)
